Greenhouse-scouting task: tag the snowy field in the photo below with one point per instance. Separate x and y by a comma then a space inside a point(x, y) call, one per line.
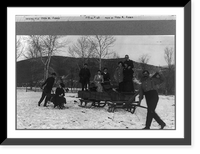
point(32, 116)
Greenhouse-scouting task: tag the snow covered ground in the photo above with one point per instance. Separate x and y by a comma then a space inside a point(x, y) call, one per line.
point(31, 116)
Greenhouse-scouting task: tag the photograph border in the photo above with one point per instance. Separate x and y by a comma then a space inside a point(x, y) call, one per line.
point(25, 28)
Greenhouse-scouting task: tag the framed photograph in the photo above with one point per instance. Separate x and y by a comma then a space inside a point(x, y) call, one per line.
point(98, 76)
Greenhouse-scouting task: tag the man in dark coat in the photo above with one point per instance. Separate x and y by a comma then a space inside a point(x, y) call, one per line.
point(47, 87)
point(84, 75)
point(128, 62)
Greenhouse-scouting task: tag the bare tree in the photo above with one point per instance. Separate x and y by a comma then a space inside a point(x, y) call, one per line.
point(81, 49)
point(19, 47)
point(144, 59)
point(45, 46)
point(31, 52)
point(169, 55)
point(115, 55)
point(35, 46)
point(100, 45)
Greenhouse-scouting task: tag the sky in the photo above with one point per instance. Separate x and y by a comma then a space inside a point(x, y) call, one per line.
point(135, 46)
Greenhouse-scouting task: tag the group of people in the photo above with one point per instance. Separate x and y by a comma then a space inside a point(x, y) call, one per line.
point(124, 76)
point(100, 79)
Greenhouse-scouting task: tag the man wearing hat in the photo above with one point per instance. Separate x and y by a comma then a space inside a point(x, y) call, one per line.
point(84, 75)
point(47, 87)
point(149, 89)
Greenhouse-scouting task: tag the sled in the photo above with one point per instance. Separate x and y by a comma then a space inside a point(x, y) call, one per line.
point(113, 99)
point(96, 99)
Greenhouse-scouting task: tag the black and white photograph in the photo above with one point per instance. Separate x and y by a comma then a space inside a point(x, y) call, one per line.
point(98, 76)
point(73, 77)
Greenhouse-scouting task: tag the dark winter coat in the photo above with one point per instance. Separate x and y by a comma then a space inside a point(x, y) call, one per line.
point(106, 77)
point(59, 97)
point(129, 63)
point(128, 75)
point(84, 75)
point(48, 84)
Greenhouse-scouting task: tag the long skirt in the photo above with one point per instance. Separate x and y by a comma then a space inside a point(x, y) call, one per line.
point(99, 87)
point(59, 101)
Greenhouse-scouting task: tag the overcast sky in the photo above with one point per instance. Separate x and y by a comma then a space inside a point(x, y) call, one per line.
point(135, 46)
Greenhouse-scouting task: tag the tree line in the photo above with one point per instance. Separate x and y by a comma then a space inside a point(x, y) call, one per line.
point(97, 47)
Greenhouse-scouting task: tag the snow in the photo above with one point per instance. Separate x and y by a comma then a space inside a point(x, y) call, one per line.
point(32, 116)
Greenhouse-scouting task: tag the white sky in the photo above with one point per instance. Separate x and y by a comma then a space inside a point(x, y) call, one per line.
point(135, 46)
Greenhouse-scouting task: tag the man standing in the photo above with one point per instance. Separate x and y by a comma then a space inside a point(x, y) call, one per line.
point(47, 87)
point(84, 75)
point(148, 88)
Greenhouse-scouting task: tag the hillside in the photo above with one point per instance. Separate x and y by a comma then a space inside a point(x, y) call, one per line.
point(31, 70)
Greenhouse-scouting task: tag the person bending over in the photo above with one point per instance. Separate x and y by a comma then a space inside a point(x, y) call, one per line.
point(47, 87)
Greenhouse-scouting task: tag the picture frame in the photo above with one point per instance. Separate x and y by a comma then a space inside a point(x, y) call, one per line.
point(128, 141)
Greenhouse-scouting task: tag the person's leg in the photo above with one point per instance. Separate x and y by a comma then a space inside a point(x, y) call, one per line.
point(149, 119)
point(48, 96)
point(86, 85)
point(82, 84)
point(156, 117)
point(55, 101)
point(152, 104)
point(42, 97)
point(151, 100)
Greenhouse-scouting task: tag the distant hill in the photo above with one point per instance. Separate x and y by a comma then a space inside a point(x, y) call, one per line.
point(32, 70)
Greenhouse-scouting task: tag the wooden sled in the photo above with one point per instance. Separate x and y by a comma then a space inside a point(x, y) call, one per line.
point(113, 99)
